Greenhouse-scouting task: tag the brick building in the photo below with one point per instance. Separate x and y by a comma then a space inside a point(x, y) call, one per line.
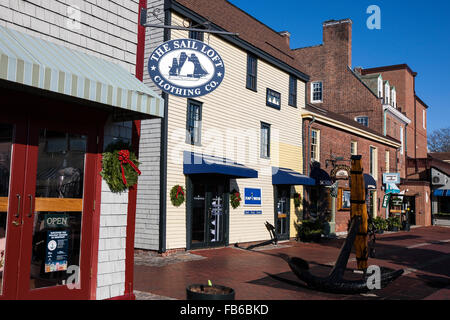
point(330, 140)
point(382, 99)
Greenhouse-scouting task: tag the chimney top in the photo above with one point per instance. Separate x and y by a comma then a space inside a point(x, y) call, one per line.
point(335, 22)
point(286, 35)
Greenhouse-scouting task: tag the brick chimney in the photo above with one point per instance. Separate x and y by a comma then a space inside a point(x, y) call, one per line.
point(337, 39)
point(287, 37)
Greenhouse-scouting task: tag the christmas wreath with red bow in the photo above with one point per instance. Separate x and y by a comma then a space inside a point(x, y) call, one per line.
point(177, 195)
point(297, 199)
point(235, 199)
point(120, 167)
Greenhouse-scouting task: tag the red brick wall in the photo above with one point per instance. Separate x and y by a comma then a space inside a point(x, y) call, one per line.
point(336, 142)
point(422, 193)
point(343, 92)
point(421, 132)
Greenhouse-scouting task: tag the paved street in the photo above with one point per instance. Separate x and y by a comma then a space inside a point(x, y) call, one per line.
point(424, 254)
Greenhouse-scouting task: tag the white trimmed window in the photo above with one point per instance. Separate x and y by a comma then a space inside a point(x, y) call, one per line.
point(317, 92)
point(315, 145)
point(364, 120)
point(354, 148)
point(394, 97)
point(424, 117)
point(373, 163)
point(380, 87)
point(387, 94)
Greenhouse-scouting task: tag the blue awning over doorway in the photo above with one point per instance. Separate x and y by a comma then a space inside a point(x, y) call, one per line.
point(283, 176)
point(321, 176)
point(195, 163)
point(369, 182)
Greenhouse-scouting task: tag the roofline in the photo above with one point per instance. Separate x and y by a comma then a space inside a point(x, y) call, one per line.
point(363, 83)
point(350, 128)
point(241, 43)
point(389, 68)
point(421, 101)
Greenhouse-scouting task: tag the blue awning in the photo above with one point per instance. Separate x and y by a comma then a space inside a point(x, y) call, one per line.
point(321, 176)
point(195, 163)
point(441, 193)
point(282, 176)
point(369, 182)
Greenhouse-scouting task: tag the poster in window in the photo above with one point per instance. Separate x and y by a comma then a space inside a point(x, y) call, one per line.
point(56, 251)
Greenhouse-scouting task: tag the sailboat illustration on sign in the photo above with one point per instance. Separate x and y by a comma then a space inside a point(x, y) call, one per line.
point(187, 68)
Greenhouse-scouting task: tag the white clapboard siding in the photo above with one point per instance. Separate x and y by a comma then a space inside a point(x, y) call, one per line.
point(233, 106)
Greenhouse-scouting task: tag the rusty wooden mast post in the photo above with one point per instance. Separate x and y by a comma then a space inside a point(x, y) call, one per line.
point(359, 211)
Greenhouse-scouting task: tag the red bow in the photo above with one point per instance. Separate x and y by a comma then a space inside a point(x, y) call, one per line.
point(238, 196)
point(179, 190)
point(124, 158)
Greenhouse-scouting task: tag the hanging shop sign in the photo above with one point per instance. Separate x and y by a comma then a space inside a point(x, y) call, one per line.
point(391, 178)
point(56, 252)
point(340, 172)
point(252, 197)
point(386, 199)
point(186, 68)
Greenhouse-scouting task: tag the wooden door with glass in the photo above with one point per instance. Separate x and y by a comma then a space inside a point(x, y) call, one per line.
point(47, 189)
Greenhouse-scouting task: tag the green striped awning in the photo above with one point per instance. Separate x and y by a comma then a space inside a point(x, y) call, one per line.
point(42, 64)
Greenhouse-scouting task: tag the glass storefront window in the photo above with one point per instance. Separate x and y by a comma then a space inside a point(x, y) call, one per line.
point(58, 208)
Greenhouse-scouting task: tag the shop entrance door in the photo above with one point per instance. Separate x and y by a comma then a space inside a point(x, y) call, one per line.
point(47, 187)
point(410, 208)
point(209, 214)
point(282, 211)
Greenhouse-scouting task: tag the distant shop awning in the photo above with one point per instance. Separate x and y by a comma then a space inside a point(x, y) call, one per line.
point(441, 193)
point(41, 64)
point(370, 182)
point(283, 176)
point(321, 177)
point(195, 163)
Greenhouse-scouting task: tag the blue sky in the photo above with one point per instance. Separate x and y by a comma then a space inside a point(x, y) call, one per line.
point(413, 32)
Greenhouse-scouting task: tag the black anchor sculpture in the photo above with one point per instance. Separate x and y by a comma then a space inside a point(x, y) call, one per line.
point(357, 234)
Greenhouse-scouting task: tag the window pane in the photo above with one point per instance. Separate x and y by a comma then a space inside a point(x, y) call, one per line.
point(59, 203)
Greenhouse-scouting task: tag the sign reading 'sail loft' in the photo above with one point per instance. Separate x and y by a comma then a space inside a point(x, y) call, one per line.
point(186, 68)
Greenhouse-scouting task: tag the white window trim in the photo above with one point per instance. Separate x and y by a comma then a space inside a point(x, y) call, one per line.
point(380, 87)
point(424, 119)
point(394, 97)
point(312, 92)
point(387, 89)
point(358, 117)
point(375, 162)
point(355, 143)
point(317, 158)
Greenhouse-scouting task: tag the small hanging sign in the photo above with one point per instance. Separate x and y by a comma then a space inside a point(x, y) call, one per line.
point(186, 68)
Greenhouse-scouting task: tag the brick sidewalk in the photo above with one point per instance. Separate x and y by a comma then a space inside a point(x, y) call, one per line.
point(424, 254)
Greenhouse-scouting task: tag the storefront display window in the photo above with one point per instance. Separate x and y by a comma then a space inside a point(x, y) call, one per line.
point(58, 208)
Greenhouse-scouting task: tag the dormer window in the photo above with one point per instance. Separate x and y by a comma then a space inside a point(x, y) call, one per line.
point(387, 93)
point(394, 97)
point(380, 87)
